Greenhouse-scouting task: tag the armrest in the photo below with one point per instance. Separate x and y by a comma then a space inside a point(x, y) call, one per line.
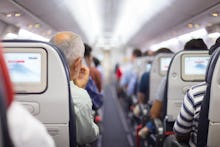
point(168, 126)
point(158, 126)
point(171, 141)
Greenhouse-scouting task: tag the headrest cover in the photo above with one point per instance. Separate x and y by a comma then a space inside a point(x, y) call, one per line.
point(213, 48)
point(6, 79)
point(211, 65)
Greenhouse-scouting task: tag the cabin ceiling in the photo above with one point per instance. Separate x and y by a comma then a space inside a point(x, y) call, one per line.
point(137, 23)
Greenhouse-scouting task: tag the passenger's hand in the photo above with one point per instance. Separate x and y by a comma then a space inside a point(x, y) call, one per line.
point(83, 77)
point(143, 132)
point(136, 111)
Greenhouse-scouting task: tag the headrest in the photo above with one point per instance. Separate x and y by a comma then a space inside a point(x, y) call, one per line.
point(6, 79)
point(213, 48)
point(211, 65)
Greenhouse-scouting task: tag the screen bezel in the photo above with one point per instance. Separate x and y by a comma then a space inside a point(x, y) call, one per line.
point(163, 73)
point(195, 77)
point(24, 87)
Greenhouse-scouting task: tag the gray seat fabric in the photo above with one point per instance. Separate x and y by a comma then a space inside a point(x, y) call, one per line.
point(5, 139)
point(155, 75)
point(209, 121)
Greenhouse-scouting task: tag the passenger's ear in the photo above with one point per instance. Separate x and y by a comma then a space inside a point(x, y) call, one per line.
point(75, 67)
point(77, 64)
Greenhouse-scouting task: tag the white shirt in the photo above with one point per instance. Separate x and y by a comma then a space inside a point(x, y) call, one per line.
point(25, 130)
point(86, 130)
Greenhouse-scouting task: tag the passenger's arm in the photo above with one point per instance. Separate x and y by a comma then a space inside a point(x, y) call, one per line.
point(156, 108)
point(141, 97)
point(184, 121)
point(158, 102)
point(95, 95)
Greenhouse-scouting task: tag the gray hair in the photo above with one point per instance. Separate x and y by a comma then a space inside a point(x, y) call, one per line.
point(71, 45)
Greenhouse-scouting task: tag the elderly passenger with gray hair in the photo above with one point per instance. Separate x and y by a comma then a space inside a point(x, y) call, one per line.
point(73, 48)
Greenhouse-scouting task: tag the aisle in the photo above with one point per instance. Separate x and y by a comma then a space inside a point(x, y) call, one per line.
point(116, 131)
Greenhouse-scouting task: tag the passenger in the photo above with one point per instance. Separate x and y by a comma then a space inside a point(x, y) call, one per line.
point(195, 44)
point(99, 67)
point(118, 72)
point(148, 53)
point(24, 129)
point(129, 78)
point(94, 73)
point(94, 81)
point(156, 108)
point(73, 48)
point(143, 86)
point(186, 125)
point(143, 91)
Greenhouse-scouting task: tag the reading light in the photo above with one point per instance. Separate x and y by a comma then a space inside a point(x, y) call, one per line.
point(37, 25)
point(17, 14)
point(197, 26)
point(8, 15)
point(215, 14)
point(30, 26)
point(190, 25)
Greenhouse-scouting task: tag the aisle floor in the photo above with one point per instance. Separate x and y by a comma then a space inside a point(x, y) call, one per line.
point(116, 131)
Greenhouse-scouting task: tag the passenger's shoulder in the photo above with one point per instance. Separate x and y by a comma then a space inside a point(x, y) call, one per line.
point(198, 88)
point(79, 94)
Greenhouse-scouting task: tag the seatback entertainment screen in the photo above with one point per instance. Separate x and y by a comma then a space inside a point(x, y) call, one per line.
point(164, 64)
point(27, 68)
point(194, 67)
point(24, 67)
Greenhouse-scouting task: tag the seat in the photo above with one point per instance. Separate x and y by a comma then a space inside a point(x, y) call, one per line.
point(187, 68)
point(41, 78)
point(158, 71)
point(142, 65)
point(209, 121)
point(5, 96)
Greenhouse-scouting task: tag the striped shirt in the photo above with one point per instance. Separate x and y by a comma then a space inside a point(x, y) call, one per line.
point(187, 120)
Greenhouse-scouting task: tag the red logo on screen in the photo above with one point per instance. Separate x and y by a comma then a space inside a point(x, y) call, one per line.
point(16, 61)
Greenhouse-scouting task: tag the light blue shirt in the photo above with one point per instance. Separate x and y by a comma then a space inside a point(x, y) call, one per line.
point(160, 92)
point(129, 79)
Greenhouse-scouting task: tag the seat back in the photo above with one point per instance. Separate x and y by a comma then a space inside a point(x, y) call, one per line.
point(41, 79)
point(186, 69)
point(6, 97)
point(143, 65)
point(209, 121)
point(158, 71)
point(5, 139)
